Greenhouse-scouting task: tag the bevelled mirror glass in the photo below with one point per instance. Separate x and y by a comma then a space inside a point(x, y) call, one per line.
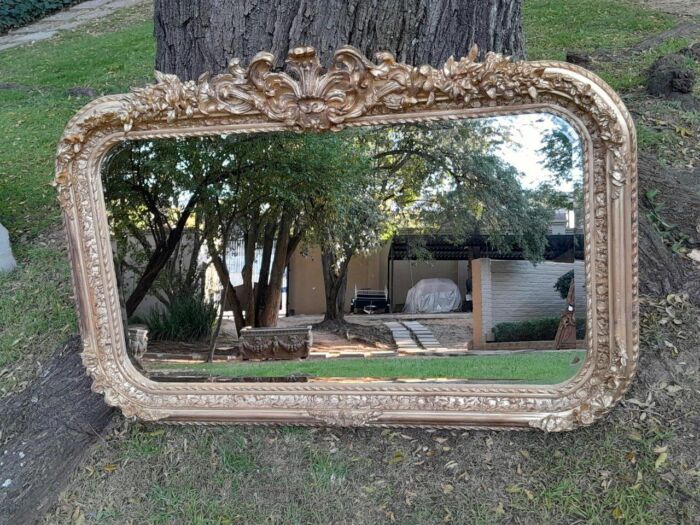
point(374, 244)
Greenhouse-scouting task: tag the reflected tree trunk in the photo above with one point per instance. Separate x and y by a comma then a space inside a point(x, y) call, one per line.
point(269, 310)
point(231, 300)
point(197, 36)
point(250, 239)
point(335, 280)
point(159, 259)
point(268, 244)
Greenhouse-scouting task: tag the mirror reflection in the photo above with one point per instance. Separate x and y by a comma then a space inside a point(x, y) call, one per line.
point(444, 251)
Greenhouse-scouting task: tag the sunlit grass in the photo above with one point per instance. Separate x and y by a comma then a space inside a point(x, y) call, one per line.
point(554, 27)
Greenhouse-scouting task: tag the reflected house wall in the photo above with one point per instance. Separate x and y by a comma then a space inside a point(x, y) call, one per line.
point(306, 289)
point(517, 290)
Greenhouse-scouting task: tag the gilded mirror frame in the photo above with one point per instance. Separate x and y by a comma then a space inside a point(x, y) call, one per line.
point(354, 91)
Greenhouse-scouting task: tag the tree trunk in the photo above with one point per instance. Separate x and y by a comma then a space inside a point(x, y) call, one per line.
point(661, 270)
point(231, 300)
point(264, 273)
point(46, 431)
point(335, 284)
point(250, 241)
point(197, 36)
point(273, 291)
point(159, 259)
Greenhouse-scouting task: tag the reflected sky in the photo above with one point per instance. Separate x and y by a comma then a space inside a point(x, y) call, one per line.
point(523, 151)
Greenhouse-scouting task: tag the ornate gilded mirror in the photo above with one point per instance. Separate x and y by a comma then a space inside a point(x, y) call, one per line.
point(370, 244)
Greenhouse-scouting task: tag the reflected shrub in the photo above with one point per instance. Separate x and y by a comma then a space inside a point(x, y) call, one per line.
point(544, 329)
point(563, 283)
point(186, 318)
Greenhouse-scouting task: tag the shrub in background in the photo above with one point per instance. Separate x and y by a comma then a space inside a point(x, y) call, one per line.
point(544, 329)
point(17, 13)
point(186, 318)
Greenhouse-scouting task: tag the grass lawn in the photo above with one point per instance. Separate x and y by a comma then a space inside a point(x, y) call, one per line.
point(610, 473)
point(36, 304)
point(539, 368)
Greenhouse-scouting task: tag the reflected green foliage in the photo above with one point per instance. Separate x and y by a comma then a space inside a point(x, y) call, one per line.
point(544, 329)
point(170, 201)
point(466, 187)
point(186, 318)
point(563, 283)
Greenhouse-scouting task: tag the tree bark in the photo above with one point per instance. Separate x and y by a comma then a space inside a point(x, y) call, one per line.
point(46, 431)
point(197, 36)
point(264, 273)
point(250, 241)
point(661, 270)
point(335, 285)
point(231, 300)
point(273, 291)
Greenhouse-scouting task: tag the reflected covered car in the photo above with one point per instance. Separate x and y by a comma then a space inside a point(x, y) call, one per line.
point(433, 296)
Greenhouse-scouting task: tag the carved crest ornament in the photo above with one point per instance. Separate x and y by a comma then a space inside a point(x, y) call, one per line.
point(355, 91)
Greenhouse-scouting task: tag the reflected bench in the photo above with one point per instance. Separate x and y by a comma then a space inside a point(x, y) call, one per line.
point(370, 301)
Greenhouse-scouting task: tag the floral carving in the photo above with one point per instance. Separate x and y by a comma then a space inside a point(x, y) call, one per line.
point(355, 91)
point(311, 98)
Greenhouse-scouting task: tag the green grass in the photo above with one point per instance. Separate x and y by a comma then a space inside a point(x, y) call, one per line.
point(36, 311)
point(34, 114)
point(554, 27)
point(36, 307)
point(543, 368)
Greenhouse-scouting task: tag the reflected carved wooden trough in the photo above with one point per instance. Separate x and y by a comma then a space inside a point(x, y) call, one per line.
point(275, 343)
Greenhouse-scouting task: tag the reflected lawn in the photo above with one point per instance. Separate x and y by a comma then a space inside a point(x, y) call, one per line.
point(534, 367)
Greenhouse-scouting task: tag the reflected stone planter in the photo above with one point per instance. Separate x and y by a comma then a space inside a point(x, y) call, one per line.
point(138, 339)
point(275, 343)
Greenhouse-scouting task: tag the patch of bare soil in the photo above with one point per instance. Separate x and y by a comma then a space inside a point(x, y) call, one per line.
point(366, 335)
point(454, 334)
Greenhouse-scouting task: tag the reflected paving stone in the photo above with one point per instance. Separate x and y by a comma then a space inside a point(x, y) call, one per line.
point(313, 356)
point(451, 352)
point(351, 354)
point(414, 351)
point(402, 336)
point(383, 353)
point(425, 336)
